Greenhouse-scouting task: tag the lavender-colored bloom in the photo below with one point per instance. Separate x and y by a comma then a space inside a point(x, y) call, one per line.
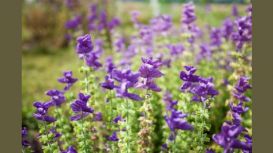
point(176, 49)
point(113, 137)
point(205, 52)
point(57, 97)
point(210, 151)
point(80, 107)
point(228, 138)
point(98, 116)
point(234, 11)
point(249, 144)
point(67, 79)
point(117, 119)
point(73, 23)
point(227, 28)
point(55, 133)
point(149, 71)
point(109, 83)
point(215, 37)
point(91, 60)
point(188, 13)
point(244, 31)
point(24, 134)
point(201, 88)
point(177, 122)
point(41, 112)
point(238, 108)
point(146, 34)
point(161, 23)
point(113, 23)
point(70, 149)
point(170, 103)
point(134, 16)
point(127, 80)
point(120, 44)
point(241, 87)
point(84, 44)
point(110, 66)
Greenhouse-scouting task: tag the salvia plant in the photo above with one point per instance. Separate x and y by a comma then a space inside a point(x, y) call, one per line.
point(162, 89)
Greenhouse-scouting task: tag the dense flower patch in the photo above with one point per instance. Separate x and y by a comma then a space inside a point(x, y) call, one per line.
point(163, 89)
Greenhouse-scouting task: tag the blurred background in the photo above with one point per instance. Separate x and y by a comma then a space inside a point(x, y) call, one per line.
point(49, 27)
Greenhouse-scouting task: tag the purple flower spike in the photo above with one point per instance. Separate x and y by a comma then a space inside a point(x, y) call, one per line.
point(241, 87)
point(201, 88)
point(70, 149)
point(67, 79)
point(176, 49)
point(92, 61)
point(73, 23)
point(113, 137)
point(41, 112)
point(24, 134)
point(84, 44)
point(80, 107)
point(228, 138)
point(117, 119)
point(57, 97)
point(215, 37)
point(188, 13)
point(177, 122)
point(98, 116)
point(109, 83)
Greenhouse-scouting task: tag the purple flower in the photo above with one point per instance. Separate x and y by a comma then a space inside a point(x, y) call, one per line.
point(113, 23)
point(117, 119)
point(149, 71)
point(120, 44)
point(227, 28)
point(134, 16)
point(215, 37)
point(91, 60)
point(70, 149)
point(113, 137)
point(176, 49)
point(122, 91)
point(228, 138)
point(205, 53)
point(67, 79)
point(110, 66)
point(84, 44)
point(161, 23)
point(55, 133)
point(41, 112)
point(24, 134)
point(201, 88)
point(234, 11)
point(73, 23)
point(244, 31)
point(146, 34)
point(57, 97)
point(98, 116)
point(188, 13)
point(170, 103)
point(241, 87)
point(80, 107)
point(210, 151)
point(176, 121)
point(109, 83)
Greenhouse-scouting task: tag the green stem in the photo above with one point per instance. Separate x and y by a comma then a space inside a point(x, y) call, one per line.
point(49, 144)
point(127, 118)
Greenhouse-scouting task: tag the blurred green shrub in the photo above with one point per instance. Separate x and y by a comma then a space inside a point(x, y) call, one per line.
point(43, 27)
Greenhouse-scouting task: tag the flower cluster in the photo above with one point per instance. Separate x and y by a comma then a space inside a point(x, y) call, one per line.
point(200, 87)
point(80, 107)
